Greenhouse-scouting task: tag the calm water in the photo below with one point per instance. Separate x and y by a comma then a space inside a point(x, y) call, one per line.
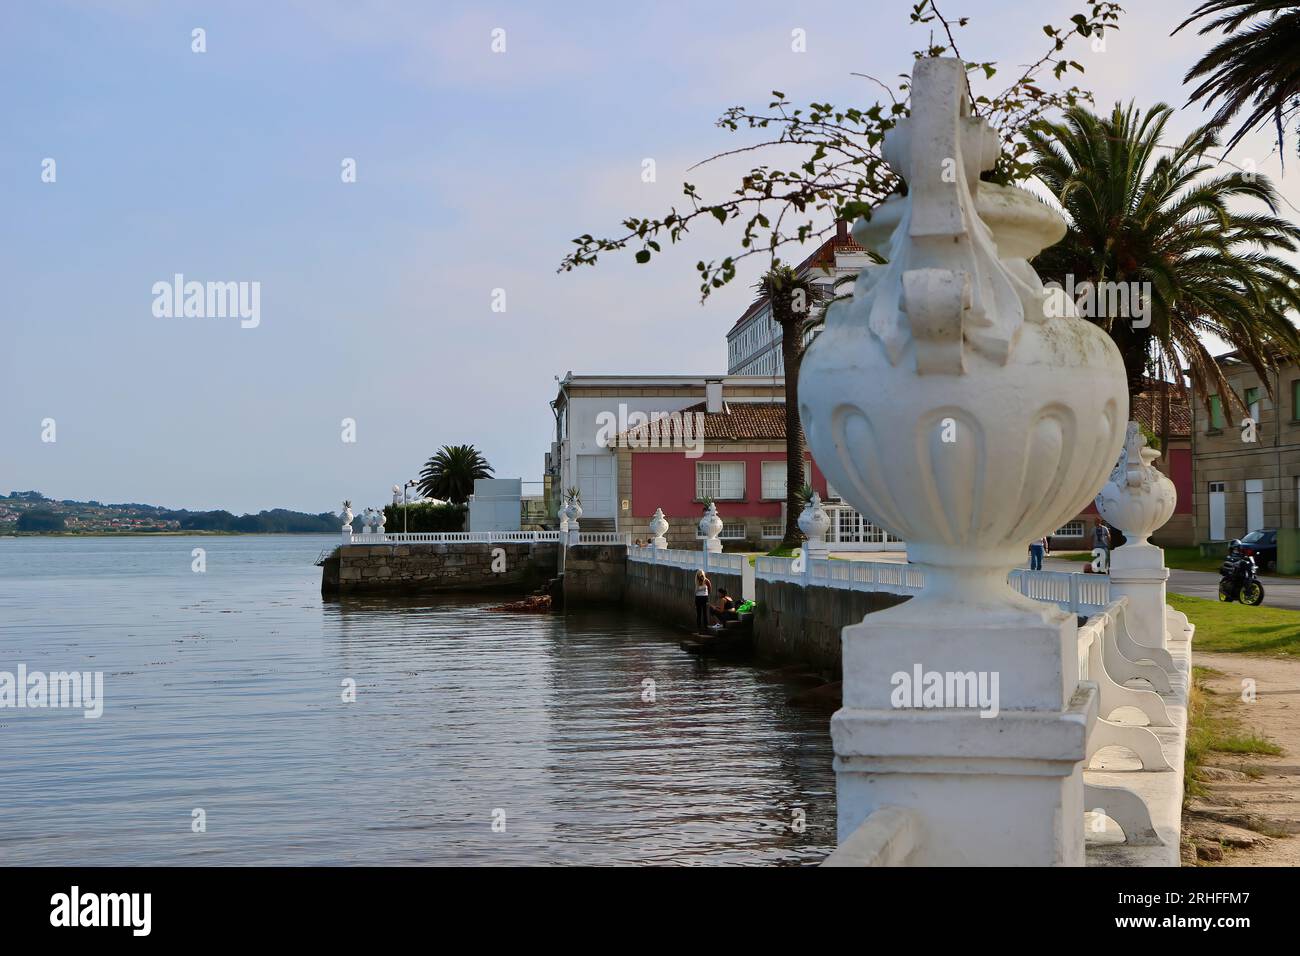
point(223, 692)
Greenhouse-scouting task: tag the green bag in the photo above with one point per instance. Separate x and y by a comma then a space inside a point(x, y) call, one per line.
point(745, 608)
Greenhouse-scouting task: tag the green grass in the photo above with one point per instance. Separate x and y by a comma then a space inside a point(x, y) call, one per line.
point(1184, 559)
point(1211, 730)
point(1239, 629)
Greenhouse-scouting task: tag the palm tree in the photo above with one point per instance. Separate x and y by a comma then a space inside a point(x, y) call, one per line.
point(1255, 68)
point(1140, 214)
point(451, 472)
point(790, 297)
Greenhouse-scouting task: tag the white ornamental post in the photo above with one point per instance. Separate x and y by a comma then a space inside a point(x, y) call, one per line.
point(380, 518)
point(710, 528)
point(946, 401)
point(1138, 499)
point(814, 522)
point(572, 512)
point(365, 520)
point(659, 528)
point(347, 522)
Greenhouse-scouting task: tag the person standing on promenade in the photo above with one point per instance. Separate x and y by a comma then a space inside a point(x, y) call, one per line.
point(1036, 551)
point(702, 586)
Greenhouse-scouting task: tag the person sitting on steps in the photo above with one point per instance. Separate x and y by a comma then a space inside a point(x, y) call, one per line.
point(724, 610)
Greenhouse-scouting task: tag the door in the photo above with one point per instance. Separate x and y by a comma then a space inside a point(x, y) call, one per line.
point(1217, 511)
point(596, 484)
point(1254, 504)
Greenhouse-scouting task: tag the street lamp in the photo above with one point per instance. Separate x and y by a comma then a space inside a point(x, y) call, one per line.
point(409, 484)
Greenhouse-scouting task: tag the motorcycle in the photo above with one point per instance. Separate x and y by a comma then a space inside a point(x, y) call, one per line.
point(1238, 581)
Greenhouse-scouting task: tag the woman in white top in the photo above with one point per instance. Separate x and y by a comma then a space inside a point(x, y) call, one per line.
point(702, 586)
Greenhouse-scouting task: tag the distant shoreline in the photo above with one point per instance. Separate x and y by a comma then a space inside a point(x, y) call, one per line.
point(157, 534)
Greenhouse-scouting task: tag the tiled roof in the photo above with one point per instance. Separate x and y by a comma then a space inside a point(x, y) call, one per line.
point(1146, 409)
point(738, 421)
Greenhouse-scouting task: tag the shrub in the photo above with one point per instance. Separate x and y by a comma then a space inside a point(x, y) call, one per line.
point(425, 517)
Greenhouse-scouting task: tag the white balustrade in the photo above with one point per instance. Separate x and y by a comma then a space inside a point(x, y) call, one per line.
point(491, 537)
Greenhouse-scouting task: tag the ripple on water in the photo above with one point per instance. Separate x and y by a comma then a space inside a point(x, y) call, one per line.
point(223, 692)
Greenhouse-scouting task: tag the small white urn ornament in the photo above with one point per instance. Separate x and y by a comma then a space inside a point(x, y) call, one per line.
point(347, 517)
point(380, 518)
point(1138, 499)
point(711, 527)
point(659, 528)
point(571, 512)
point(814, 522)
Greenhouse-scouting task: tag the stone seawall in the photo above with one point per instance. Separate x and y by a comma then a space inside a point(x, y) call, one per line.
point(667, 593)
point(802, 625)
point(466, 566)
point(792, 624)
point(594, 574)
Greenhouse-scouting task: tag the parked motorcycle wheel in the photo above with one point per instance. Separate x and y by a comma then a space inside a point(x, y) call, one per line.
point(1252, 594)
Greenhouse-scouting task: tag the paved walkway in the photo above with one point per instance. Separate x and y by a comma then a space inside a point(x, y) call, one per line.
point(1278, 592)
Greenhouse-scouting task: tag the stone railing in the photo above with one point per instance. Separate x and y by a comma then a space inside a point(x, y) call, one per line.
point(1080, 594)
point(485, 537)
point(886, 838)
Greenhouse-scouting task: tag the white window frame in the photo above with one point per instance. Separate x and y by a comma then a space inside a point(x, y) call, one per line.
point(1071, 529)
point(807, 477)
point(702, 491)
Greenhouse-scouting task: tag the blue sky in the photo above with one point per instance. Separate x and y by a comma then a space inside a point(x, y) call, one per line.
point(474, 170)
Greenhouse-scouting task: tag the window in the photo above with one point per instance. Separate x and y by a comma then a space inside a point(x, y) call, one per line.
point(776, 531)
point(1295, 400)
point(774, 478)
point(1071, 529)
point(1216, 413)
point(731, 531)
point(720, 480)
point(1252, 404)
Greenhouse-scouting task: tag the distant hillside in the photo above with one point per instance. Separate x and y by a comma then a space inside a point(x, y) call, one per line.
point(32, 512)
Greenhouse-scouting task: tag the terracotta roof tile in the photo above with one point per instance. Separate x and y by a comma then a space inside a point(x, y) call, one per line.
point(738, 421)
point(1146, 409)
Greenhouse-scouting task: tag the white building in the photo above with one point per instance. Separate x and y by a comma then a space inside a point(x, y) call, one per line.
point(754, 342)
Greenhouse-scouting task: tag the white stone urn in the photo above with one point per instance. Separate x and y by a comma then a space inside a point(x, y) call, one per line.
point(347, 516)
point(380, 518)
point(952, 339)
point(711, 527)
point(946, 402)
point(1138, 499)
point(659, 528)
point(572, 512)
point(814, 522)
point(366, 518)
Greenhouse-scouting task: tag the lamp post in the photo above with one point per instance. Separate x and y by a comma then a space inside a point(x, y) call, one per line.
point(409, 484)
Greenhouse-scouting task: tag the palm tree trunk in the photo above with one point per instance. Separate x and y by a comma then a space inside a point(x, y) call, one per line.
point(791, 355)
